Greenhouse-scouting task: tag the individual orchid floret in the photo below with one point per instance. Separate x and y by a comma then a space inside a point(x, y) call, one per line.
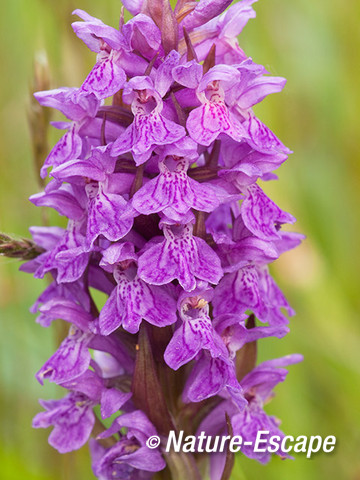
point(97, 166)
point(68, 200)
point(72, 416)
point(149, 127)
point(213, 376)
point(105, 214)
point(196, 332)
point(174, 193)
point(132, 300)
point(238, 247)
point(180, 256)
point(235, 332)
point(213, 117)
point(258, 386)
point(129, 458)
point(252, 88)
point(71, 360)
point(72, 294)
point(100, 390)
point(94, 33)
point(261, 215)
point(252, 288)
point(79, 111)
point(248, 285)
point(68, 256)
point(108, 76)
point(105, 208)
point(243, 165)
point(254, 85)
point(238, 251)
point(67, 309)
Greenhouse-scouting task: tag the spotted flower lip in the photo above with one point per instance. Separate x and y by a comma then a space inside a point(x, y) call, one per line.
point(107, 76)
point(175, 194)
point(105, 214)
point(149, 128)
point(163, 270)
point(133, 299)
point(76, 411)
point(214, 117)
point(255, 202)
point(71, 360)
point(195, 334)
point(72, 416)
point(180, 256)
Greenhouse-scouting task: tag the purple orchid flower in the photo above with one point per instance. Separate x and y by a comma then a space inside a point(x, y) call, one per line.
point(79, 110)
point(181, 256)
point(175, 194)
point(196, 332)
point(108, 75)
point(130, 457)
point(149, 128)
point(73, 417)
point(213, 376)
point(214, 117)
point(258, 386)
point(68, 257)
point(133, 300)
point(71, 359)
point(163, 271)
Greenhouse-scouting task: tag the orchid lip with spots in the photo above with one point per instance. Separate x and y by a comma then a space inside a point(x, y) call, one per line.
point(168, 221)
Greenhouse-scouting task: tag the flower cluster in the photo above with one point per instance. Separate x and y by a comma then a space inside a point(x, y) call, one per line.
point(166, 218)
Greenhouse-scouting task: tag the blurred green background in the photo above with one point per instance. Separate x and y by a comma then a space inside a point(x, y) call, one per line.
point(316, 46)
